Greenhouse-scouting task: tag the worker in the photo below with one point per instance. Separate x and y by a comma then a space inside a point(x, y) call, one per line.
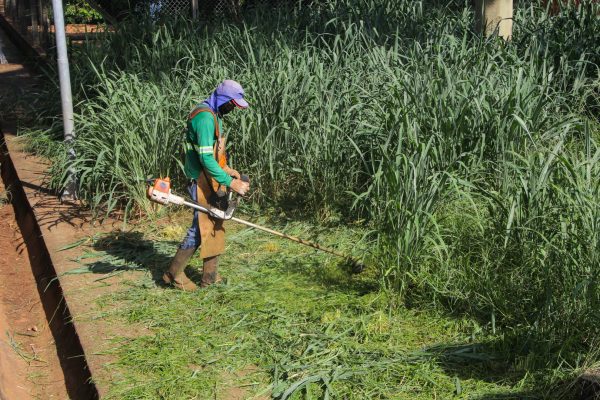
point(206, 167)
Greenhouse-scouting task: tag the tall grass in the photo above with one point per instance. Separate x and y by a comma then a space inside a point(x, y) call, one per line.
point(473, 161)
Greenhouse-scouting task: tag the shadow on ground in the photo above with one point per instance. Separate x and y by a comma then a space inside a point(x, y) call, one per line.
point(128, 251)
point(482, 361)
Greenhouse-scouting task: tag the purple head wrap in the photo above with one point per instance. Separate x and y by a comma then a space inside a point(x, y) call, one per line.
point(226, 91)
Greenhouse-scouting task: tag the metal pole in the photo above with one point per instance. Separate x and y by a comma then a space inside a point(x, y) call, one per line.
point(70, 190)
point(195, 9)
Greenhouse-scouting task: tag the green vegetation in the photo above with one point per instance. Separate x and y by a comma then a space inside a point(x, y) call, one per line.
point(289, 324)
point(80, 12)
point(472, 164)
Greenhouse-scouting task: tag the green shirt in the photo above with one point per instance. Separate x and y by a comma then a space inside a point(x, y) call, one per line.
point(199, 148)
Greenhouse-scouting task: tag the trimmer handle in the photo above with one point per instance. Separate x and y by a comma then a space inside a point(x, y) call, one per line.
point(221, 192)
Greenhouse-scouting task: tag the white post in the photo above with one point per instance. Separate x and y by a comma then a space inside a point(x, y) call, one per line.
point(70, 190)
point(494, 17)
point(195, 9)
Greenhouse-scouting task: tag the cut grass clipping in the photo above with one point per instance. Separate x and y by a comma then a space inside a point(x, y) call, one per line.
point(289, 325)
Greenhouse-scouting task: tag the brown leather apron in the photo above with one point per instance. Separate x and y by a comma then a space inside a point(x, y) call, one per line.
point(212, 231)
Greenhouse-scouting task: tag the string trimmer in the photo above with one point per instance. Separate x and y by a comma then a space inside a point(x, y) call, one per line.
point(159, 191)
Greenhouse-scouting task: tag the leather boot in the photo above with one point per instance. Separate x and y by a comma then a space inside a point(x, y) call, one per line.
point(209, 272)
point(175, 275)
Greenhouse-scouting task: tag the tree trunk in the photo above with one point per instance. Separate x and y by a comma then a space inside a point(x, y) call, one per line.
point(494, 17)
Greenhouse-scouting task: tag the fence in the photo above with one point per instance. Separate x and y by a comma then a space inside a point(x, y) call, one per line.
point(31, 19)
point(196, 8)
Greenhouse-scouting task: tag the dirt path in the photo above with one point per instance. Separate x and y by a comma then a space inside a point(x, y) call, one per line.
point(29, 364)
point(39, 358)
point(69, 304)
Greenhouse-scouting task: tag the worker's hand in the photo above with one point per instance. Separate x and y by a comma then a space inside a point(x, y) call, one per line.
point(239, 186)
point(232, 172)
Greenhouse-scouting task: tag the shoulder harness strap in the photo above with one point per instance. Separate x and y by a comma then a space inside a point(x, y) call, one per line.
point(214, 185)
point(199, 110)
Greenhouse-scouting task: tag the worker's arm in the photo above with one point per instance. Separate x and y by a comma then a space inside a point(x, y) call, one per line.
point(204, 127)
point(230, 171)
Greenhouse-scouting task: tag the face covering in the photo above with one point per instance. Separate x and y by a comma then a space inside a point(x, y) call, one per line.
point(226, 108)
point(224, 93)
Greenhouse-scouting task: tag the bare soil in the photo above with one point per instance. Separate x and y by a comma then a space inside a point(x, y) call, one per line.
point(85, 28)
point(29, 364)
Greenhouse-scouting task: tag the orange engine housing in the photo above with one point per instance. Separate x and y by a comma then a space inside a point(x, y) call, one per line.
point(161, 189)
point(163, 185)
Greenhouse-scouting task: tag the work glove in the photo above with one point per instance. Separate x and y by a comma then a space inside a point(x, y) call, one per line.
point(232, 172)
point(240, 187)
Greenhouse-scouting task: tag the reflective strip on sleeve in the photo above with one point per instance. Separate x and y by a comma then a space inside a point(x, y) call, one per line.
point(204, 149)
